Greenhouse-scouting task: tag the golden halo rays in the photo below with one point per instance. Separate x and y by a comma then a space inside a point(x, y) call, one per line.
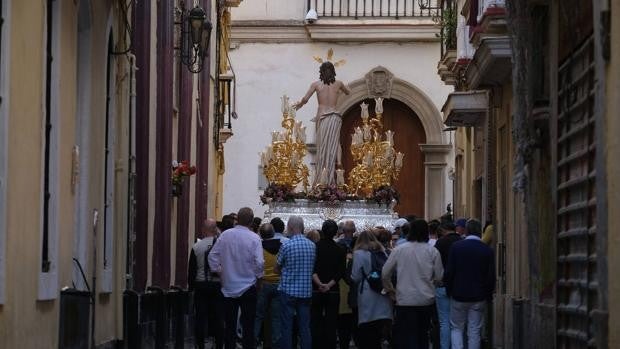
point(330, 57)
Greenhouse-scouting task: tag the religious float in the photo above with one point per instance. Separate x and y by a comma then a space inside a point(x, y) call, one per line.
point(367, 198)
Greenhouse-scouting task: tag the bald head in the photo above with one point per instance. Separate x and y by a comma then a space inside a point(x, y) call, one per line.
point(210, 227)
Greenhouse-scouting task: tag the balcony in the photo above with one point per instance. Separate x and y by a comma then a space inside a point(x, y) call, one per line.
point(465, 109)
point(491, 61)
point(346, 21)
point(374, 9)
point(373, 20)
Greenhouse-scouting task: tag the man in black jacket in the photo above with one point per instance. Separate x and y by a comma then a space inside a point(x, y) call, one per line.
point(470, 281)
point(442, 301)
point(206, 287)
point(329, 268)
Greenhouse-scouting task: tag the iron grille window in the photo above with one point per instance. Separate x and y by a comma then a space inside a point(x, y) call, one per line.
point(576, 196)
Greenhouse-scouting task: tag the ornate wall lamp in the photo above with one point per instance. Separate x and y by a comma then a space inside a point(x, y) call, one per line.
point(195, 35)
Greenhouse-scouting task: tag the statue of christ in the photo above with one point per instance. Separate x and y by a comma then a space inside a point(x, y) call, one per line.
point(328, 122)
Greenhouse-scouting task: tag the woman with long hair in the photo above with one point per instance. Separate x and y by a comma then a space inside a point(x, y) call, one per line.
point(374, 308)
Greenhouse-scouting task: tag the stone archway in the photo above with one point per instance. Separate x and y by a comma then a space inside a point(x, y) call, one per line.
point(435, 149)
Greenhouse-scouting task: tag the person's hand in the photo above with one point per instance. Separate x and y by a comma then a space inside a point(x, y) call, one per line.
point(297, 105)
point(323, 288)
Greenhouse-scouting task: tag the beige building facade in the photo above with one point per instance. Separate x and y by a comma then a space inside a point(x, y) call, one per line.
point(93, 97)
point(532, 116)
point(44, 109)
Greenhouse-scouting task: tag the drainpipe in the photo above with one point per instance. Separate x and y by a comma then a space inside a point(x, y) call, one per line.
point(131, 235)
point(94, 289)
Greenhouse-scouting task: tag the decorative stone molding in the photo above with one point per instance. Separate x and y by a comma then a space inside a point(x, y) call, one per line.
point(268, 32)
point(379, 82)
point(374, 30)
point(335, 30)
point(445, 68)
point(407, 93)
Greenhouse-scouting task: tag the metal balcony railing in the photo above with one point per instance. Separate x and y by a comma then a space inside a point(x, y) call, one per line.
point(388, 9)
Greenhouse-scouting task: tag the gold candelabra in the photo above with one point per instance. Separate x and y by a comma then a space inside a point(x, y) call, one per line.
point(379, 163)
point(282, 161)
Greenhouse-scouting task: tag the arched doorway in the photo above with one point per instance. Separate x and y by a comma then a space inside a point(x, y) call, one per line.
point(409, 134)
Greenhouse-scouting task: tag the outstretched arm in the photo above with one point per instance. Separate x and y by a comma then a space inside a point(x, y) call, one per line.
point(306, 98)
point(344, 88)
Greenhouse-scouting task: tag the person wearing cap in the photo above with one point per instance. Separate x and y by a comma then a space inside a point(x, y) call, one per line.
point(442, 301)
point(398, 225)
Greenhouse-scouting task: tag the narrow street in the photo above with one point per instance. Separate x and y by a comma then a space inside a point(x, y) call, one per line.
point(382, 173)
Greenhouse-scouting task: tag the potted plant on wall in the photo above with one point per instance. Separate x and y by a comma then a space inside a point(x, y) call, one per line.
point(180, 170)
point(447, 24)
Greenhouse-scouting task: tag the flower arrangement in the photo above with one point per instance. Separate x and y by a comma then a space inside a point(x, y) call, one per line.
point(180, 170)
point(330, 193)
point(277, 193)
point(385, 194)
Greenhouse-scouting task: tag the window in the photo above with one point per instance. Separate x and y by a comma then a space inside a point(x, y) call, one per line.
point(48, 277)
point(4, 112)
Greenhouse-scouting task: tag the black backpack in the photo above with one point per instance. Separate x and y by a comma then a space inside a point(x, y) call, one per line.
point(377, 260)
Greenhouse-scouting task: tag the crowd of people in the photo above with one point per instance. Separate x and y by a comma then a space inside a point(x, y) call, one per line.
point(416, 284)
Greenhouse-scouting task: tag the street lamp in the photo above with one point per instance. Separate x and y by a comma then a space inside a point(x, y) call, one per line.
point(195, 34)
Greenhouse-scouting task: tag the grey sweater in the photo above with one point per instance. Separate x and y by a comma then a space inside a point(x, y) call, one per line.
point(418, 266)
point(371, 305)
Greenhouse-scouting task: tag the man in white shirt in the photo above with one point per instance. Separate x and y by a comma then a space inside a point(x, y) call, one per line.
point(238, 257)
point(418, 267)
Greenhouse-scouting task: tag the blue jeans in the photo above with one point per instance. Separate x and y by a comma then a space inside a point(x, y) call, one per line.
point(470, 315)
point(289, 307)
point(268, 300)
point(443, 311)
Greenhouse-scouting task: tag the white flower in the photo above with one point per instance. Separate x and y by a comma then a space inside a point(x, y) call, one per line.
point(175, 164)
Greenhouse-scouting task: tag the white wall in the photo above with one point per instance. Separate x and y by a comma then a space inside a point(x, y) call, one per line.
point(270, 10)
point(267, 71)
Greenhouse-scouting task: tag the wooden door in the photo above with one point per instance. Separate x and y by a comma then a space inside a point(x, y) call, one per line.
point(409, 134)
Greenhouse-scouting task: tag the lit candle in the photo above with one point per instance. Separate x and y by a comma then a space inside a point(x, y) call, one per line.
point(364, 107)
point(274, 136)
point(323, 178)
point(379, 105)
point(399, 160)
point(368, 159)
point(388, 153)
point(389, 137)
point(339, 177)
point(284, 104)
point(291, 111)
point(367, 133)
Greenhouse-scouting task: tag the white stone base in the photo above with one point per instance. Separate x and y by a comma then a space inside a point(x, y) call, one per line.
point(365, 215)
